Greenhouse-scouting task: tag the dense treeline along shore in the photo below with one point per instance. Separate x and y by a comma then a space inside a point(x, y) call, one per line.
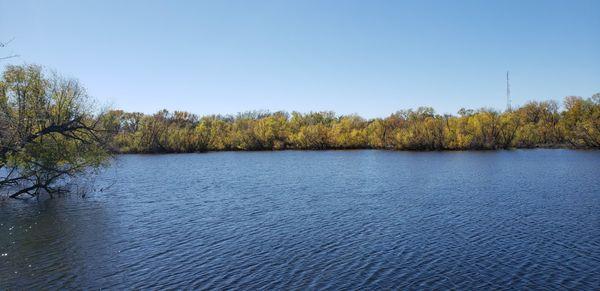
point(536, 124)
point(50, 131)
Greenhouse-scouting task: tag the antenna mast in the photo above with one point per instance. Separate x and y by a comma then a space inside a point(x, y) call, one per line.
point(508, 107)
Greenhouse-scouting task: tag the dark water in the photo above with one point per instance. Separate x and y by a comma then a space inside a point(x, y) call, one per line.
point(315, 220)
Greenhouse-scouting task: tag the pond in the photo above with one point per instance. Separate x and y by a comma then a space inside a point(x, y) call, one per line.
point(360, 219)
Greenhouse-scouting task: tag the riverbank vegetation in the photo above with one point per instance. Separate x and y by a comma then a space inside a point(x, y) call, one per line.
point(535, 124)
point(49, 132)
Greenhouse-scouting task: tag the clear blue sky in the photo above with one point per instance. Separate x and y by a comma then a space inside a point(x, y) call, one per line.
point(365, 57)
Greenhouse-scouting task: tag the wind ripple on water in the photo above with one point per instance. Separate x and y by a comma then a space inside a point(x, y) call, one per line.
point(318, 220)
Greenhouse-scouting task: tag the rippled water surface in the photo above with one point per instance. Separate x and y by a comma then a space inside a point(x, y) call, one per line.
point(332, 219)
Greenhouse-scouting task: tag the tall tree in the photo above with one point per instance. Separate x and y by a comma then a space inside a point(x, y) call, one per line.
point(49, 132)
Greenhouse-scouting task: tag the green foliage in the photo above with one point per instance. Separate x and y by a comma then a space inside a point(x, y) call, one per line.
point(533, 125)
point(581, 121)
point(49, 131)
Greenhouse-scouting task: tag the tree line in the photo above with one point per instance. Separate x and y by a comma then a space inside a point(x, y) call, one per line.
point(535, 124)
point(50, 130)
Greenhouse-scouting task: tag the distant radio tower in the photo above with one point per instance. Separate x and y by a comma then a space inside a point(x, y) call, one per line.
point(508, 107)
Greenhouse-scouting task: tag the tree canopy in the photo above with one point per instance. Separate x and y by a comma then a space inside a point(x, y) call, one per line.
point(48, 131)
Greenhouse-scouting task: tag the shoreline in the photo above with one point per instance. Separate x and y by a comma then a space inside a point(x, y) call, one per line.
point(549, 147)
